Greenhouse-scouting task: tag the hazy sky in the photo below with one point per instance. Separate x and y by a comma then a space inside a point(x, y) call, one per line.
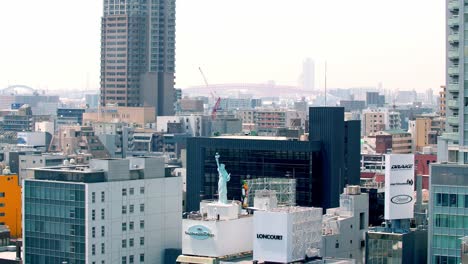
point(55, 44)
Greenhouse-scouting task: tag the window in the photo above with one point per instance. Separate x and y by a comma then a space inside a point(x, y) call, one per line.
point(124, 192)
point(130, 259)
point(142, 258)
point(93, 249)
point(124, 209)
point(124, 260)
point(362, 221)
point(103, 231)
point(103, 214)
point(93, 197)
point(2, 214)
point(2, 205)
point(124, 226)
point(142, 224)
point(131, 242)
point(142, 207)
point(132, 207)
point(124, 243)
point(132, 190)
point(93, 231)
point(103, 248)
point(131, 225)
point(142, 190)
point(2, 194)
point(453, 200)
point(466, 200)
point(142, 241)
point(93, 215)
point(103, 197)
point(337, 244)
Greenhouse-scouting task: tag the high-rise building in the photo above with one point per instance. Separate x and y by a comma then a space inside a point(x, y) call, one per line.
point(138, 54)
point(448, 212)
point(308, 74)
point(112, 211)
point(453, 147)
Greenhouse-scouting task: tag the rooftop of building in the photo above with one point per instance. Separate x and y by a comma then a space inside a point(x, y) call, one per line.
point(102, 170)
point(396, 131)
point(252, 137)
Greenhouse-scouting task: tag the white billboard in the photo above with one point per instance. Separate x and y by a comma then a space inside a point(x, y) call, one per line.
point(31, 139)
point(399, 186)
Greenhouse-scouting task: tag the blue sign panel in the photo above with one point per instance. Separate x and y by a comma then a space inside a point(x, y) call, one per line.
point(15, 106)
point(199, 232)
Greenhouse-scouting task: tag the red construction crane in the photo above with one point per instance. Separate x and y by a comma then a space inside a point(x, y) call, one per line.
point(215, 97)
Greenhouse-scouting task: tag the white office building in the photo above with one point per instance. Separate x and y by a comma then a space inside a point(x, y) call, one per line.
point(112, 211)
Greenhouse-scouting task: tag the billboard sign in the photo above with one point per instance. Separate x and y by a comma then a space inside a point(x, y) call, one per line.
point(399, 186)
point(16, 106)
point(199, 232)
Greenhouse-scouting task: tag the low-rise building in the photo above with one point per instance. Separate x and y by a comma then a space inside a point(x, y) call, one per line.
point(10, 203)
point(111, 211)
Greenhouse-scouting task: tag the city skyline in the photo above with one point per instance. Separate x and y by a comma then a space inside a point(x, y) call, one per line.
point(362, 42)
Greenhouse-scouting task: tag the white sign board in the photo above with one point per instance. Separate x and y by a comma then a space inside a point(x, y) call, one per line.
point(399, 186)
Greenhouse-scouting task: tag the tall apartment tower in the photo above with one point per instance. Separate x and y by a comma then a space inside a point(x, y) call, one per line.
point(308, 74)
point(138, 54)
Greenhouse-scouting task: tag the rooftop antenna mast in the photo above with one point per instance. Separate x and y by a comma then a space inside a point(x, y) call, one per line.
point(325, 83)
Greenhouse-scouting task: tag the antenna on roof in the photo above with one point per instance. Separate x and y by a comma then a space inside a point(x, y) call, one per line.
point(325, 83)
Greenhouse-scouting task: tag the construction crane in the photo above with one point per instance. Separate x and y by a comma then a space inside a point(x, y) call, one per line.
point(215, 97)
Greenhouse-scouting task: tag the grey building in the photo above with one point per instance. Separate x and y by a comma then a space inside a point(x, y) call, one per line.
point(138, 54)
point(386, 245)
point(375, 99)
point(353, 105)
point(344, 228)
point(448, 212)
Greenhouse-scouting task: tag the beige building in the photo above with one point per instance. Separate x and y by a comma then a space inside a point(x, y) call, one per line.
point(442, 99)
point(138, 116)
point(375, 120)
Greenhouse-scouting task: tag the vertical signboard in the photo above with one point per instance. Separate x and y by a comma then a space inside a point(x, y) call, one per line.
point(399, 186)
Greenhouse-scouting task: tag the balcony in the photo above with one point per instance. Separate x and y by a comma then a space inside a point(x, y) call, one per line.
point(450, 136)
point(454, 37)
point(453, 22)
point(453, 5)
point(453, 70)
point(453, 54)
point(452, 103)
point(452, 120)
point(453, 87)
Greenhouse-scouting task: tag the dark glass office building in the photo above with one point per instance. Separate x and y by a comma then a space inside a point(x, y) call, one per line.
point(54, 219)
point(322, 166)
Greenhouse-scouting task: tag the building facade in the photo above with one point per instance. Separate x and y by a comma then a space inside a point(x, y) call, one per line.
point(10, 204)
point(113, 211)
point(448, 212)
point(138, 54)
point(332, 150)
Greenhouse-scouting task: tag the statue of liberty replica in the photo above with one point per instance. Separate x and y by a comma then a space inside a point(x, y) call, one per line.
point(224, 177)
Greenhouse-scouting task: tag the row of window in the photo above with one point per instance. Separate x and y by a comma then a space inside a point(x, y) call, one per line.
point(451, 200)
point(132, 191)
point(131, 259)
point(93, 231)
point(93, 197)
point(131, 208)
point(131, 225)
point(93, 249)
point(93, 214)
point(131, 242)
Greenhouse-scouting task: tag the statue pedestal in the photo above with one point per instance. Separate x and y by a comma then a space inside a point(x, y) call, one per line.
point(225, 211)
